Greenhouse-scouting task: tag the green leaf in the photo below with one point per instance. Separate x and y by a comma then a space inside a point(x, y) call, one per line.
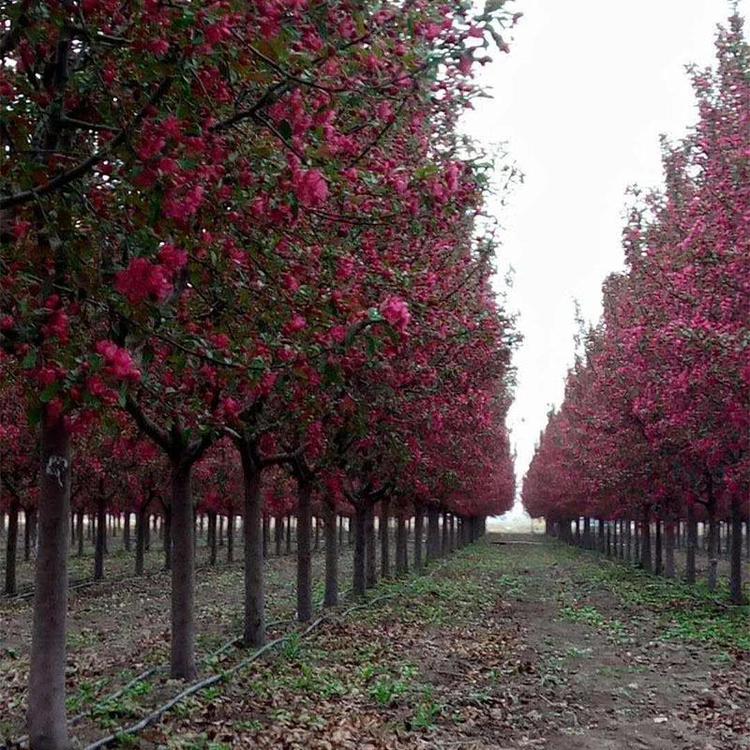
point(29, 361)
point(49, 392)
point(34, 415)
point(285, 129)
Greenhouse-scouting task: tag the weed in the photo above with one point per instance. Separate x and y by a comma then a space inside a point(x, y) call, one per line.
point(386, 691)
point(426, 715)
point(253, 725)
point(292, 647)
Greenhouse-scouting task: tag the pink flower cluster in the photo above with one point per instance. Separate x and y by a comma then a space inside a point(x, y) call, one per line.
point(396, 313)
point(118, 362)
point(143, 280)
point(310, 188)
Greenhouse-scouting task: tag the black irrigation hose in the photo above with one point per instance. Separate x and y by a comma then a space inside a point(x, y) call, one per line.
point(206, 682)
point(196, 687)
point(21, 742)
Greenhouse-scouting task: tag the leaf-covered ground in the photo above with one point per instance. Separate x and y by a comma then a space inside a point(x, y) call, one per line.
point(525, 644)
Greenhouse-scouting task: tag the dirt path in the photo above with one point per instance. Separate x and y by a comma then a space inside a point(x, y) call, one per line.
point(609, 677)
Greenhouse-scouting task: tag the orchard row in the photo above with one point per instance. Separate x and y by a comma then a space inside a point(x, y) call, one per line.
point(655, 426)
point(245, 270)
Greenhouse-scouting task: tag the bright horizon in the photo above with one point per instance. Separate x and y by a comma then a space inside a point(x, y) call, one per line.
point(580, 103)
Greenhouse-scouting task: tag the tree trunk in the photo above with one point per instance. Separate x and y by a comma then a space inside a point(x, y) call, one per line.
point(331, 596)
point(586, 532)
point(418, 534)
point(47, 725)
point(646, 563)
point(402, 563)
point(167, 538)
point(254, 633)
point(126, 531)
point(182, 657)
point(691, 543)
point(341, 532)
point(11, 548)
point(231, 518)
point(628, 540)
point(266, 535)
point(79, 532)
point(444, 535)
point(385, 556)
point(304, 555)
point(212, 549)
point(658, 561)
point(141, 527)
point(371, 573)
point(669, 538)
point(278, 534)
point(735, 561)
point(289, 535)
point(433, 533)
point(609, 538)
point(360, 544)
point(719, 526)
point(712, 543)
point(615, 537)
point(101, 534)
point(33, 535)
point(26, 535)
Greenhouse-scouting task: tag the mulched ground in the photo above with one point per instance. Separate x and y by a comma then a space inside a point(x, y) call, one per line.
point(529, 645)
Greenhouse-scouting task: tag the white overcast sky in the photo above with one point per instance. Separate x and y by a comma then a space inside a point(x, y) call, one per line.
point(588, 87)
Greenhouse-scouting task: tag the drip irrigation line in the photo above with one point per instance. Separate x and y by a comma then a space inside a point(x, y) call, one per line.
point(210, 680)
point(206, 682)
point(101, 704)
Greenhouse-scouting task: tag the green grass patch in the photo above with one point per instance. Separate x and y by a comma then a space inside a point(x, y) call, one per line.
point(683, 612)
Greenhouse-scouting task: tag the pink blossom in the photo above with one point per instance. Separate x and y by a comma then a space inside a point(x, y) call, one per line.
point(143, 280)
point(172, 257)
point(396, 312)
point(182, 208)
point(338, 334)
point(158, 47)
point(230, 409)
point(119, 363)
point(310, 188)
point(57, 326)
point(297, 323)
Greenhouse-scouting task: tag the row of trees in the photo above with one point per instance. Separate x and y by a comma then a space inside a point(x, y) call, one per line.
point(101, 512)
point(217, 526)
point(655, 425)
point(241, 248)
